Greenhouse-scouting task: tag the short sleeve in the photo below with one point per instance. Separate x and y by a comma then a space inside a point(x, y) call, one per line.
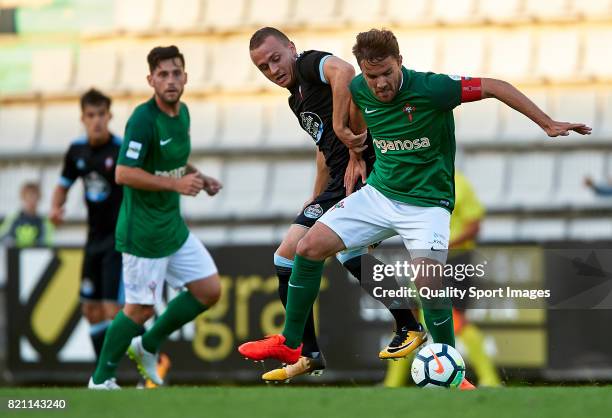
point(135, 145)
point(444, 90)
point(310, 66)
point(69, 171)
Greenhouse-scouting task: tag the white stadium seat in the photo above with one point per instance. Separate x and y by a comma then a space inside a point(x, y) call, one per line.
point(597, 60)
point(52, 70)
point(205, 117)
point(573, 168)
point(211, 236)
point(553, 44)
point(497, 229)
point(463, 53)
point(419, 50)
point(61, 124)
point(362, 12)
point(399, 12)
point(500, 11)
point(242, 124)
point(548, 10)
point(487, 173)
point(477, 121)
point(224, 15)
point(245, 184)
point(204, 206)
point(532, 178)
point(268, 13)
point(454, 11)
point(514, 66)
point(252, 234)
point(18, 125)
point(134, 68)
point(541, 230)
point(134, 15)
point(197, 63)
point(96, 67)
point(316, 13)
point(292, 184)
point(517, 127)
point(285, 129)
point(591, 9)
point(604, 126)
point(180, 15)
point(232, 69)
point(589, 229)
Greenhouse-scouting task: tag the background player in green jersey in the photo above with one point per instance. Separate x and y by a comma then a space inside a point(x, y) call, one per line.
point(151, 234)
point(411, 189)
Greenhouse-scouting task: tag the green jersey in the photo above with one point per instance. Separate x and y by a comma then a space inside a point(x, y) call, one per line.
point(150, 223)
point(413, 137)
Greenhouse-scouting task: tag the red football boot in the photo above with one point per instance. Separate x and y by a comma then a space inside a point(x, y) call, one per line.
point(272, 346)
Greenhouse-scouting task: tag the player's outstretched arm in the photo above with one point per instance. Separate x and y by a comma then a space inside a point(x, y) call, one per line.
point(511, 96)
point(137, 178)
point(339, 74)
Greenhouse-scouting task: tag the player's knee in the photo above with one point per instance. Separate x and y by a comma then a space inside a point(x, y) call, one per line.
point(139, 313)
point(307, 248)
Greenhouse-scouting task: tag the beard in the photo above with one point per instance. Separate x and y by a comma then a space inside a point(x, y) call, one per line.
point(172, 98)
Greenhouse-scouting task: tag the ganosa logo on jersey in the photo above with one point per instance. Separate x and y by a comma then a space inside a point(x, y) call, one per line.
point(177, 173)
point(385, 145)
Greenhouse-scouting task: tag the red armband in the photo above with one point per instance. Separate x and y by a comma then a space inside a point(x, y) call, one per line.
point(471, 89)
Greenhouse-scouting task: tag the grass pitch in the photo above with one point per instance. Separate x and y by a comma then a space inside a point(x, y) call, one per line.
point(317, 402)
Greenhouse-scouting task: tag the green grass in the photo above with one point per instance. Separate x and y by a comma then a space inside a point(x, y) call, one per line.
point(318, 402)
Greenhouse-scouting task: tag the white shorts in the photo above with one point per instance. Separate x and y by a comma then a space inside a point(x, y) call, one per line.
point(367, 216)
point(143, 278)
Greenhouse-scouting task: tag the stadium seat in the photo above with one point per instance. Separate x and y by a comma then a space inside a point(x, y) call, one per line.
point(134, 15)
point(12, 177)
point(18, 125)
point(419, 50)
point(316, 13)
point(285, 129)
point(121, 110)
point(498, 229)
point(500, 11)
point(455, 60)
point(334, 45)
point(245, 189)
point(591, 9)
point(204, 124)
point(96, 67)
point(180, 15)
point(52, 70)
point(242, 124)
point(576, 106)
point(61, 124)
point(252, 234)
point(454, 11)
point(597, 61)
point(603, 129)
point(362, 12)
point(487, 173)
point(552, 44)
point(211, 236)
point(542, 230)
point(197, 63)
point(232, 69)
point(292, 184)
point(477, 121)
point(547, 10)
point(573, 168)
point(268, 13)
point(519, 128)
point(514, 66)
point(590, 229)
point(221, 16)
point(203, 206)
point(134, 68)
point(532, 179)
point(398, 13)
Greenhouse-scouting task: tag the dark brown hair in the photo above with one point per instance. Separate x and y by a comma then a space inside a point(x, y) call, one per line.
point(260, 36)
point(375, 45)
point(161, 53)
point(95, 97)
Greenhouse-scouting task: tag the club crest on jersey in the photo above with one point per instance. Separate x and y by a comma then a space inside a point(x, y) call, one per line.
point(339, 205)
point(312, 123)
point(408, 109)
point(313, 211)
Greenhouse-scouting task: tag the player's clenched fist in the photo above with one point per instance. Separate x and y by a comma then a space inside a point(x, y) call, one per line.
point(189, 185)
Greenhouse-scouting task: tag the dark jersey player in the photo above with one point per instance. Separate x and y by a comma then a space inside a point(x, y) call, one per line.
point(318, 83)
point(93, 159)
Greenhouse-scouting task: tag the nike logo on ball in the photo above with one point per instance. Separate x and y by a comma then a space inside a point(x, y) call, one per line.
point(440, 368)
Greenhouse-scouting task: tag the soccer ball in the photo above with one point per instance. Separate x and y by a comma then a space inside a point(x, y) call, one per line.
point(438, 366)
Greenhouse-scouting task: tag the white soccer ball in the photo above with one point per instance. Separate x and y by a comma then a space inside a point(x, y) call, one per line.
point(438, 366)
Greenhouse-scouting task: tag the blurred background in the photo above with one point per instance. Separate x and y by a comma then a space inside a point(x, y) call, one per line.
point(533, 188)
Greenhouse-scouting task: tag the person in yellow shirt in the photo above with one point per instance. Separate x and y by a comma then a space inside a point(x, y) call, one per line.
point(464, 229)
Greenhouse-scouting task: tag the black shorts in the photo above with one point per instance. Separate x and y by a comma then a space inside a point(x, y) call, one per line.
point(321, 204)
point(101, 275)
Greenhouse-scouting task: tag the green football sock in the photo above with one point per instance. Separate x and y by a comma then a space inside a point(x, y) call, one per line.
point(182, 309)
point(438, 315)
point(304, 286)
point(118, 337)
